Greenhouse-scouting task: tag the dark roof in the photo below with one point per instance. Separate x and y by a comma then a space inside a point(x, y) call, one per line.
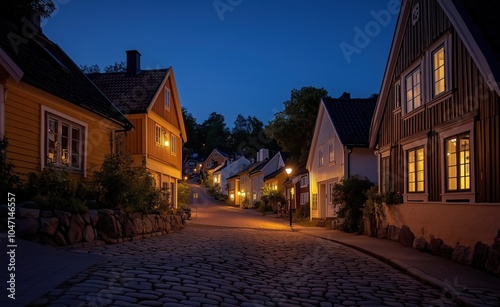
point(47, 67)
point(131, 94)
point(258, 166)
point(351, 118)
point(481, 18)
point(275, 173)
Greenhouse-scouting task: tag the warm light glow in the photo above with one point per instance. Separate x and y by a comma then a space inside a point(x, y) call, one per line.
point(288, 170)
point(166, 143)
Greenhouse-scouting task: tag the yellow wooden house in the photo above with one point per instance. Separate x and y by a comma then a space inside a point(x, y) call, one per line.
point(150, 101)
point(51, 113)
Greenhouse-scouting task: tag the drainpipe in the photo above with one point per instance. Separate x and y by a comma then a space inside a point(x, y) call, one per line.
point(3, 98)
point(349, 152)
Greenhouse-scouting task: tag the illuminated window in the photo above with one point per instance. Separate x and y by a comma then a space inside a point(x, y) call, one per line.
point(458, 167)
point(64, 145)
point(173, 144)
point(314, 205)
point(157, 135)
point(413, 92)
point(331, 153)
point(438, 68)
point(416, 170)
point(167, 98)
point(321, 157)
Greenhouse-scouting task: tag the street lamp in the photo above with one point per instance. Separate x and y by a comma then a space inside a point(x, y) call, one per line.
point(288, 171)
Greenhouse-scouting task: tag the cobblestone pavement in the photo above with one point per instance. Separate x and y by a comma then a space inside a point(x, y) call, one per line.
point(205, 265)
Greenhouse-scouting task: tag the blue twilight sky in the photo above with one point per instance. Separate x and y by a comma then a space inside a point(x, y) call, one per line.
point(236, 56)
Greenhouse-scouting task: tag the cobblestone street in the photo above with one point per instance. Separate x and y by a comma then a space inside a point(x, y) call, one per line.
point(208, 265)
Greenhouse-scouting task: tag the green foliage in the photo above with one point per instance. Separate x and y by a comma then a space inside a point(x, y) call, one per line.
point(373, 204)
point(213, 132)
point(183, 193)
point(55, 189)
point(90, 69)
point(16, 9)
point(117, 67)
point(263, 207)
point(272, 198)
point(302, 213)
point(8, 180)
point(230, 202)
point(293, 127)
point(351, 195)
point(392, 198)
point(121, 184)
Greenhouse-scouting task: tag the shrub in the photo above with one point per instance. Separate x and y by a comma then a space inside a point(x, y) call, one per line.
point(263, 207)
point(350, 193)
point(230, 202)
point(183, 193)
point(121, 184)
point(55, 189)
point(302, 213)
point(273, 198)
point(392, 198)
point(8, 180)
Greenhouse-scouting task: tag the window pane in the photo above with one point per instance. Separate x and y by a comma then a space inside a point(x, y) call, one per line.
point(411, 187)
point(75, 148)
point(420, 187)
point(52, 144)
point(452, 184)
point(65, 145)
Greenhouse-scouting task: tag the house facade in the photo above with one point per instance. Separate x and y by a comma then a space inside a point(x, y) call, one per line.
point(150, 101)
point(258, 174)
point(436, 125)
point(301, 191)
point(215, 160)
point(229, 169)
point(338, 150)
point(50, 112)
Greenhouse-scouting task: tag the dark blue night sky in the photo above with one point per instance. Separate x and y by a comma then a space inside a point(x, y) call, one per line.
point(236, 56)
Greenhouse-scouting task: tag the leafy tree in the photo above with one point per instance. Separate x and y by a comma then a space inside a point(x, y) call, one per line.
point(351, 195)
point(293, 127)
point(214, 133)
point(193, 143)
point(247, 135)
point(272, 199)
point(117, 67)
point(183, 193)
point(15, 10)
point(91, 69)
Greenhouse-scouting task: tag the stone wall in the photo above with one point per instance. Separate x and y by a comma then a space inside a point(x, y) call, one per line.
point(97, 227)
point(482, 256)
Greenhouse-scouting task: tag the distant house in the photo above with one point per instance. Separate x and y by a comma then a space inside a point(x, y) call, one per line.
point(257, 174)
point(150, 101)
point(301, 189)
point(192, 165)
point(229, 169)
point(51, 113)
point(436, 126)
point(215, 159)
point(275, 181)
point(339, 149)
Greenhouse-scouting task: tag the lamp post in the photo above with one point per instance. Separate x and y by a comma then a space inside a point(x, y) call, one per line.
point(288, 171)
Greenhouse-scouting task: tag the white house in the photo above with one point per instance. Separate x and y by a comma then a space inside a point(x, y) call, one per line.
point(231, 168)
point(339, 149)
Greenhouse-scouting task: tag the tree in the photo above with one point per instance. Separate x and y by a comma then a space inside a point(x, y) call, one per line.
point(193, 144)
point(214, 133)
point(293, 127)
point(351, 194)
point(247, 135)
point(117, 67)
point(90, 69)
point(15, 10)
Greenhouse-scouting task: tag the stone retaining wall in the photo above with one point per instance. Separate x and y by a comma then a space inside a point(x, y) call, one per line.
point(97, 227)
point(482, 256)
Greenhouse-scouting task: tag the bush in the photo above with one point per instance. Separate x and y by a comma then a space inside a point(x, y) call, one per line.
point(8, 180)
point(55, 189)
point(350, 193)
point(230, 202)
point(302, 213)
point(122, 185)
point(263, 207)
point(272, 198)
point(183, 193)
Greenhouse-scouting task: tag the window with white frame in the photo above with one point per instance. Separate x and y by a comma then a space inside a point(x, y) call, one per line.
point(321, 158)
point(64, 142)
point(304, 198)
point(173, 144)
point(157, 135)
point(314, 205)
point(331, 152)
point(415, 170)
point(438, 71)
point(413, 96)
point(457, 163)
point(304, 181)
point(167, 98)
point(331, 189)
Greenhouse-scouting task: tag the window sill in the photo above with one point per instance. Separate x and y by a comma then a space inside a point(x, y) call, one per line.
point(458, 197)
point(416, 197)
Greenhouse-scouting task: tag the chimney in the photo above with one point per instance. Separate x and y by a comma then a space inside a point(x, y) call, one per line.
point(133, 63)
point(345, 96)
point(263, 154)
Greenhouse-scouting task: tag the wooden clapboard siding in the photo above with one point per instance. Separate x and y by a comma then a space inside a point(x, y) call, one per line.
point(162, 153)
point(23, 120)
point(134, 141)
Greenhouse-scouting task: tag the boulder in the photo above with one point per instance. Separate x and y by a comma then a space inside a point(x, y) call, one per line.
point(107, 224)
point(57, 239)
point(138, 224)
point(435, 245)
point(46, 213)
point(48, 225)
point(63, 217)
point(94, 217)
point(75, 230)
point(480, 257)
point(445, 251)
point(27, 213)
point(86, 218)
point(462, 254)
point(88, 234)
point(26, 227)
point(148, 225)
point(421, 244)
point(406, 237)
point(393, 233)
point(493, 263)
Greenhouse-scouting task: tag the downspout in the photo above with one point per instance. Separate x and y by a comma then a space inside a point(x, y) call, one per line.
point(349, 152)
